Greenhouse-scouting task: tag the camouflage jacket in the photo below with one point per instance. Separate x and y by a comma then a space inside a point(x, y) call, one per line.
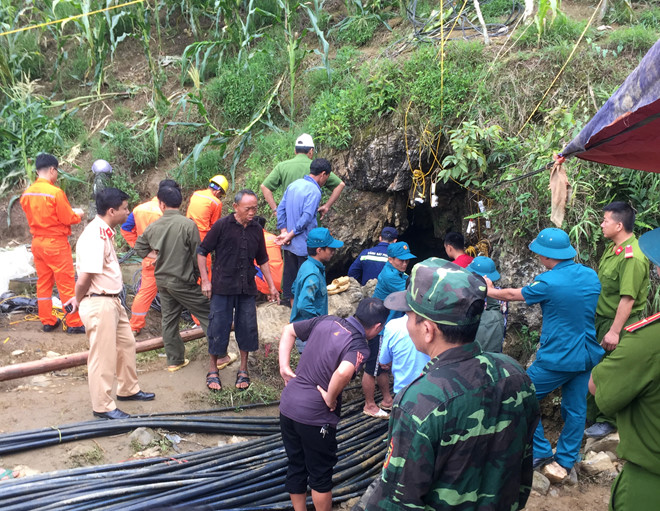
point(460, 436)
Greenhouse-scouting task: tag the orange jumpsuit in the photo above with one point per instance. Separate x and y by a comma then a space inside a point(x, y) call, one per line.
point(143, 214)
point(275, 265)
point(50, 217)
point(204, 209)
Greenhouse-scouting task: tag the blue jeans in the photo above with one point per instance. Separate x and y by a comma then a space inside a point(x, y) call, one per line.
point(574, 388)
point(241, 310)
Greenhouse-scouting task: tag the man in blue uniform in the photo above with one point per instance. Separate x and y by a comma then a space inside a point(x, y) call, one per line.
point(310, 293)
point(370, 262)
point(296, 216)
point(568, 350)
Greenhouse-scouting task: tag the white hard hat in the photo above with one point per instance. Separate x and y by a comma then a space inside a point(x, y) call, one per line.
point(101, 167)
point(304, 140)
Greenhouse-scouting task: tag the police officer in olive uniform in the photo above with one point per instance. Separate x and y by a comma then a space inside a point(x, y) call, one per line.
point(626, 386)
point(624, 275)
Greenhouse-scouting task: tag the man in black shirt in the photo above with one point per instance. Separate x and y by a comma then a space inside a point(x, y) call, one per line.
point(238, 241)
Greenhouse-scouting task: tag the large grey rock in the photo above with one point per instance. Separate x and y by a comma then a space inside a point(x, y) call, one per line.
point(597, 463)
point(540, 483)
point(271, 318)
point(344, 304)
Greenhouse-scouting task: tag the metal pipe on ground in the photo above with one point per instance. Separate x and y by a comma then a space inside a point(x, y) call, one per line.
point(14, 371)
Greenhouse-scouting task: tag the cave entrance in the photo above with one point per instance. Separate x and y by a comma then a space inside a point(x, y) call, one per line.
point(427, 226)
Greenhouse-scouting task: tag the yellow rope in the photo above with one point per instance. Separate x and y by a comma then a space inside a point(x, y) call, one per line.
point(70, 18)
point(575, 47)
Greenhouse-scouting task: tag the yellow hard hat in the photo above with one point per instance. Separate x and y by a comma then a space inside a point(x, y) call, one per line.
point(219, 182)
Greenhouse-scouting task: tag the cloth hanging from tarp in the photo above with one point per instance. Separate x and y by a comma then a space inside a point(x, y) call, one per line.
point(625, 132)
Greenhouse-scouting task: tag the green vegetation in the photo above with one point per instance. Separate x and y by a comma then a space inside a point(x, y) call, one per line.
point(256, 73)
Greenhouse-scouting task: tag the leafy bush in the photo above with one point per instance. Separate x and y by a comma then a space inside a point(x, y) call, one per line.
point(358, 30)
point(444, 100)
point(493, 9)
point(563, 29)
point(241, 87)
point(636, 39)
point(334, 114)
point(122, 180)
point(71, 127)
point(650, 18)
point(197, 173)
point(137, 147)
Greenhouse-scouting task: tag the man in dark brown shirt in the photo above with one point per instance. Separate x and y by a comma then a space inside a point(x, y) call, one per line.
point(237, 240)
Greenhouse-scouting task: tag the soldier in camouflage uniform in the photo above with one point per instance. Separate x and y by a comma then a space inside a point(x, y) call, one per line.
point(460, 434)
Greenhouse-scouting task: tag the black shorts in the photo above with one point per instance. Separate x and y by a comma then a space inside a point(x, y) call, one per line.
point(371, 366)
point(312, 456)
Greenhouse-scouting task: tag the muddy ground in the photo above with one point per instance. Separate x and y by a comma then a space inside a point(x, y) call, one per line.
point(62, 397)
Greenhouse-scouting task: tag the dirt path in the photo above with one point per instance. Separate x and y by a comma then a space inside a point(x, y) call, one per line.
point(62, 397)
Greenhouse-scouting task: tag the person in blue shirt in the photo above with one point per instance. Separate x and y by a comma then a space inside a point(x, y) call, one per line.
point(392, 278)
point(399, 352)
point(371, 261)
point(568, 293)
point(296, 216)
point(310, 293)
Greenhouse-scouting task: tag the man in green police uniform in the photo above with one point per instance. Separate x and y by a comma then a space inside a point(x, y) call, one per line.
point(460, 434)
point(288, 171)
point(627, 385)
point(624, 276)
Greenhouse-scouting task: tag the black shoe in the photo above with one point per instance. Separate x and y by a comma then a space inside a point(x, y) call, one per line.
point(50, 328)
point(138, 396)
point(112, 414)
point(541, 462)
point(75, 330)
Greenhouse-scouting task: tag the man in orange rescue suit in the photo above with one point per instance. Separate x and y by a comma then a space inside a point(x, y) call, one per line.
point(137, 221)
point(50, 217)
point(206, 207)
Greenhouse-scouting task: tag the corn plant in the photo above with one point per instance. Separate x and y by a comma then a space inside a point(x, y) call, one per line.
point(548, 9)
point(26, 130)
point(16, 58)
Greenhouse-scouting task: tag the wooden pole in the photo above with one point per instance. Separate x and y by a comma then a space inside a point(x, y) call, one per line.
point(78, 359)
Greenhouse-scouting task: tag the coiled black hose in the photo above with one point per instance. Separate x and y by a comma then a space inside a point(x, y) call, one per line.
point(245, 476)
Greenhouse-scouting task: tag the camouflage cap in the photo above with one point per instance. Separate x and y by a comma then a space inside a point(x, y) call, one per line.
point(441, 292)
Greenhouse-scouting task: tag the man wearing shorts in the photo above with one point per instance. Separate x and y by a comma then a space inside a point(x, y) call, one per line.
point(310, 405)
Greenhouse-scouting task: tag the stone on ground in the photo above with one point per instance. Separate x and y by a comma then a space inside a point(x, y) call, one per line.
point(540, 483)
point(608, 443)
point(596, 463)
point(554, 472)
point(143, 436)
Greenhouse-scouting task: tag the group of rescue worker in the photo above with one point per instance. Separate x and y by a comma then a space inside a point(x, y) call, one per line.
point(582, 311)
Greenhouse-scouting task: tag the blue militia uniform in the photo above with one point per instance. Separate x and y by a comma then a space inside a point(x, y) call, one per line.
point(567, 352)
point(369, 263)
point(390, 280)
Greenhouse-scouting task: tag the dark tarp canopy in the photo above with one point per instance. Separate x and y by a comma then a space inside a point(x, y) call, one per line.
point(625, 132)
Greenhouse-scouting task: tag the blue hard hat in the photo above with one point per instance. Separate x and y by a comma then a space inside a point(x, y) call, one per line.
point(485, 267)
point(649, 242)
point(553, 243)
